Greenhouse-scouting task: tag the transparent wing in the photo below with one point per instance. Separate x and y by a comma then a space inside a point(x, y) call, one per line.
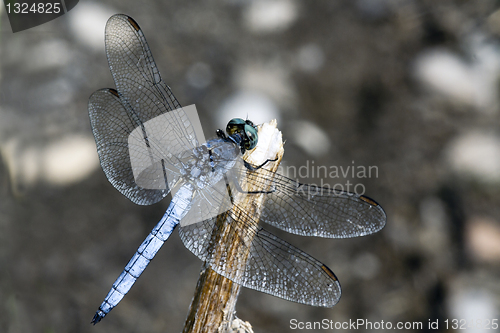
point(112, 128)
point(207, 203)
point(310, 210)
point(262, 261)
point(140, 128)
point(139, 83)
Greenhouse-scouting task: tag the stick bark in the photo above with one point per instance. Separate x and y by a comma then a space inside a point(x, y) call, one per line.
point(213, 306)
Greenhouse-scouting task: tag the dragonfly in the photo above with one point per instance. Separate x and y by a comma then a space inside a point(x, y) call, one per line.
point(148, 148)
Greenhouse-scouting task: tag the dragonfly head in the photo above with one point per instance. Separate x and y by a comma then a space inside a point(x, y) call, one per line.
point(246, 130)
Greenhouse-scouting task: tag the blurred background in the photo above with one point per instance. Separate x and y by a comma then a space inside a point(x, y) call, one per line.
point(408, 86)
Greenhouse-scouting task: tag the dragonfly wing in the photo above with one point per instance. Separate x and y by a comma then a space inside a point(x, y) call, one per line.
point(140, 128)
point(310, 210)
point(111, 127)
point(278, 268)
point(139, 83)
point(207, 203)
point(271, 265)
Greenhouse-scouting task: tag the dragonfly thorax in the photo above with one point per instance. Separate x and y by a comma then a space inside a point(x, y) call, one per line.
point(198, 166)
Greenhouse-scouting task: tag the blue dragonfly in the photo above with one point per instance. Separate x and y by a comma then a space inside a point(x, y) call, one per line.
point(148, 148)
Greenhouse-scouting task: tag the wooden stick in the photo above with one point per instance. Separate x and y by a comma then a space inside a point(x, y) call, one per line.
point(213, 306)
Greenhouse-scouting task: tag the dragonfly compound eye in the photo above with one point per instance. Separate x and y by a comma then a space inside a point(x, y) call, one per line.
point(251, 137)
point(235, 125)
point(250, 123)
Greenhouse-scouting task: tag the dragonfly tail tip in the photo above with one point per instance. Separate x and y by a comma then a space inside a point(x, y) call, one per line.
point(98, 316)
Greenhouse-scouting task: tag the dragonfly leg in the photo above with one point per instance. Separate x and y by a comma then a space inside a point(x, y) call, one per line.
point(253, 168)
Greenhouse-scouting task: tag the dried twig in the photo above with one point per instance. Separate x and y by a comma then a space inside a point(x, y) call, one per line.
point(214, 302)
